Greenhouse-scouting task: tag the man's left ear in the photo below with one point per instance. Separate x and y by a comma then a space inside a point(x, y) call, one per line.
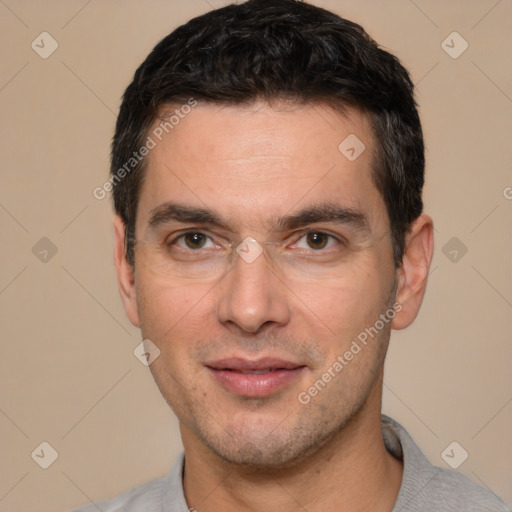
point(412, 275)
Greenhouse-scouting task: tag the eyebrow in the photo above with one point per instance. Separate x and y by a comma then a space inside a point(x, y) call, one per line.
point(168, 212)
point(324, 212)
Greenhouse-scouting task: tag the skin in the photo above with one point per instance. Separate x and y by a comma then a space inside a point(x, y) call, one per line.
point(252, 164)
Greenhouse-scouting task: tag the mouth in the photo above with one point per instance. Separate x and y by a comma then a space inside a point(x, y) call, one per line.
point(254, 379)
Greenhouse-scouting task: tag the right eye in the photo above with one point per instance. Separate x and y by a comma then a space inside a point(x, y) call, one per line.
point(193, 240)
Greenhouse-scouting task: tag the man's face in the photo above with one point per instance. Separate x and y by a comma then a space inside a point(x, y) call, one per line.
point(239, 346)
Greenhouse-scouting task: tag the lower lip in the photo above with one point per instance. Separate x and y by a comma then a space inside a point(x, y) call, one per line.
point(255, 386)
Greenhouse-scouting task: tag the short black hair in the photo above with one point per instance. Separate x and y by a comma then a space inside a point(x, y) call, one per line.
point(278, 50)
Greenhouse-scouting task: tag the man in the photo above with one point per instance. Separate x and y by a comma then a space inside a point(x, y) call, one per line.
point(267, 170)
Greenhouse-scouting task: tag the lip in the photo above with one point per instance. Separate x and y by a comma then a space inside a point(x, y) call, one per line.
point(236, 375)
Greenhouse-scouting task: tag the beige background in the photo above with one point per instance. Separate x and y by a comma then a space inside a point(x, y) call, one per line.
point(68, 374)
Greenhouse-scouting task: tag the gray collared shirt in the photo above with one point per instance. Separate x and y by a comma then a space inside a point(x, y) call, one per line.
point(424, 488)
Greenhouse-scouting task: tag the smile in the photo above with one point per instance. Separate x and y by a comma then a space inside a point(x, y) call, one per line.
point(254, 379)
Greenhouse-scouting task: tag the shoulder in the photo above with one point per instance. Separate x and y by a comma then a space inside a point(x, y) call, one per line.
point(426, 487)
point(148, 497)
point(454, 491)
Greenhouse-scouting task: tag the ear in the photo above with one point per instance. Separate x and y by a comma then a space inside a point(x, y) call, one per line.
point(125, 277)
point(413, 274)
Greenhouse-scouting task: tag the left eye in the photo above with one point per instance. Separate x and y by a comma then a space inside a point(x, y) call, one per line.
point(315, 240)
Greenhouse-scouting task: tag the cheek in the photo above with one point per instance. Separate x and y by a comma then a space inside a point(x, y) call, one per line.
point(345, 305)
point(168, 311)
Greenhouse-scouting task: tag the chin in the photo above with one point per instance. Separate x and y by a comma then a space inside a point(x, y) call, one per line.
point(276, 449)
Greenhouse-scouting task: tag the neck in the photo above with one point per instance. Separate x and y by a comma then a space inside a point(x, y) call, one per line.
point(353, 472)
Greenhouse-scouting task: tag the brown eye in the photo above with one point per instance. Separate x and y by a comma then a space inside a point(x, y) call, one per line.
point(317, 240)
point(194, 240)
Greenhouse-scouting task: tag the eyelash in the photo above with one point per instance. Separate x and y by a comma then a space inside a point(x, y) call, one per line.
point(337, 238)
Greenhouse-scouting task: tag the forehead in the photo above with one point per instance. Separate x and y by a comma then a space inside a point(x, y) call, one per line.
point(259, 160)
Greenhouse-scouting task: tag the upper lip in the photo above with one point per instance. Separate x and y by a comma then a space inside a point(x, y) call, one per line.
point(240, 364)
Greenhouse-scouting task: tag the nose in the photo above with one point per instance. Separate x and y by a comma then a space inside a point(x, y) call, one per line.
point(252, 295)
